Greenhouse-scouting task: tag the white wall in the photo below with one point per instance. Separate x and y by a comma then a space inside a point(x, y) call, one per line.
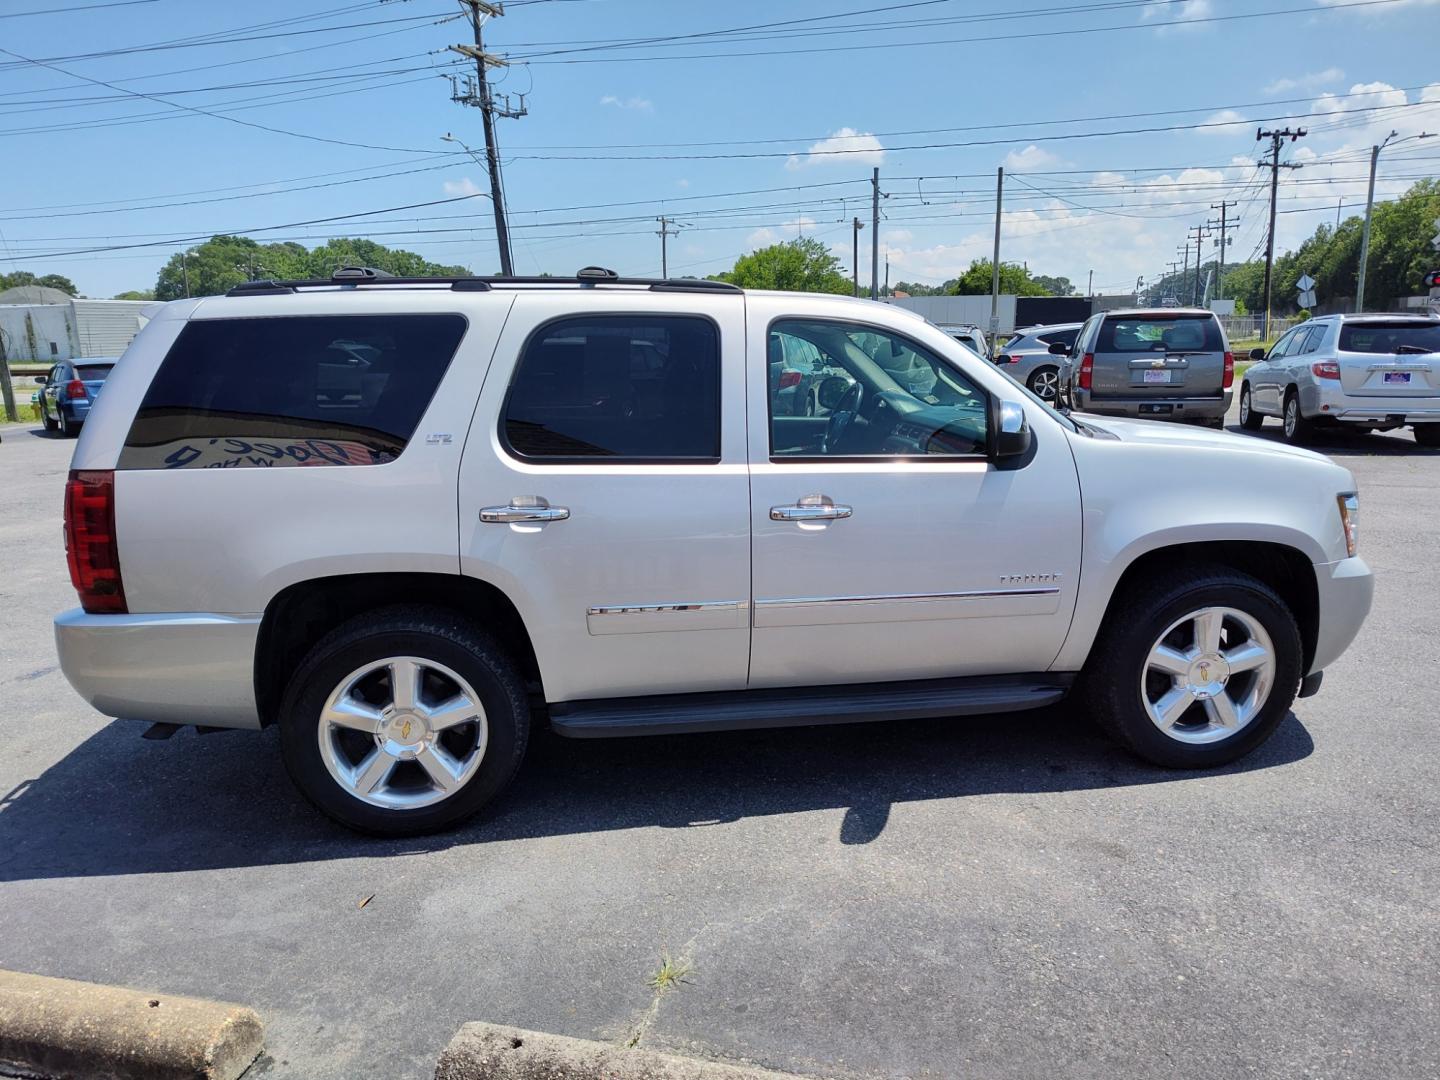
point(48, 323)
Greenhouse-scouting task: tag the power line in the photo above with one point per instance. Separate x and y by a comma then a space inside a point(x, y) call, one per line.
point(83, 7)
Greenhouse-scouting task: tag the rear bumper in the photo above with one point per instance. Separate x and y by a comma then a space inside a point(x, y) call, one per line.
point(175, 668)
point(1144, 408)
point(78, 410)
point(1346, 589)
point(1320, 402)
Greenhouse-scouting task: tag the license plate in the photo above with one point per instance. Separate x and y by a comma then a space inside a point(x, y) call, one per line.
point(1157, 410)
point(1157, 376)
point(1393, 378)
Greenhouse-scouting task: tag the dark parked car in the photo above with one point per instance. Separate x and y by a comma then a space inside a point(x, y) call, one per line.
point(71, 387)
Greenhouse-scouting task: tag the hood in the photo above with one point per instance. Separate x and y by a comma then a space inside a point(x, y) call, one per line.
point(1165, 433)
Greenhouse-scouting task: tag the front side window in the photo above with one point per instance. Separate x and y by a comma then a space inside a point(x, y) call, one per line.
point(1284, 346)
point(296, 390)
point(874, 394)
point(617, 387)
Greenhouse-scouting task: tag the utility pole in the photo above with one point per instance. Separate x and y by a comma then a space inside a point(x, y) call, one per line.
point(1090, 288)
point(875, 234)
point(1224, 226)
point(1276, 138)
point(995, 266)
point(1369, 207)
point(855, 253)
point(1185, 271)
point(7, 391)
point(1199, 231)
point(665, 233)
point(477, 94)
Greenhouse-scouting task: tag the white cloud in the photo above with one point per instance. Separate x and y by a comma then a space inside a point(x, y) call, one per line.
point(1221, 123)
point(639, 103)
point(1031, 158)
point(682, 183)
point(1311, 81)
point(765, 236)
point(463, 186)
point(846, 146)
point(1176, 13)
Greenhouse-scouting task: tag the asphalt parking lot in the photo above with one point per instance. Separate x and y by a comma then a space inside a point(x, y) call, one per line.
point(996, 897)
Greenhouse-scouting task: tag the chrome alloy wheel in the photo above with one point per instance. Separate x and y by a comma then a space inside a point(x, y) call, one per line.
point(1046, 385)
point(1292, 416)
point(1244, 407)
point(402, 733)
point(1208, 675)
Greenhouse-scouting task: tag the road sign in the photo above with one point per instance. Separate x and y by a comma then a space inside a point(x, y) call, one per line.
point(1306, 283)
point(1306, 299)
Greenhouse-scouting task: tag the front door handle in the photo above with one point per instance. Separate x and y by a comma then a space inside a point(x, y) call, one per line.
point(523, 508)
point(811, 508)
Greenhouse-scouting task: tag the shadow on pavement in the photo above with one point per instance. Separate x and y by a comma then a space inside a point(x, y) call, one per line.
point(1339, 443)
point(122, 805)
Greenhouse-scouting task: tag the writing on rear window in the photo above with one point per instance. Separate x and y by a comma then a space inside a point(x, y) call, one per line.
point(312, 390)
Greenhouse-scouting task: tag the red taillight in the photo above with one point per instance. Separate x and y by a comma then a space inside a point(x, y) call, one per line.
point(90, 544)
point(75, 389)
point(1087, 370)
point(1325, 369)
point(1229, 370)
point(789, 378)
point(1006, 358)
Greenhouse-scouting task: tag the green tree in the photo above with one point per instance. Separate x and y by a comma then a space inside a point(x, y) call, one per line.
point(48, 281)
point(802, 265)
point(1014, 279)
point(1054, 286)
point(136, 294)
point(222, 262)
point(915, 288)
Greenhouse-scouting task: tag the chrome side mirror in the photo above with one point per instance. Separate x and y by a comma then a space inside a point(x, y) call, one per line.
point(1011, 435)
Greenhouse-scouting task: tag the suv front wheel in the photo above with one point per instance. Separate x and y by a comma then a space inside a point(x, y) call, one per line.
point(404, 721)
point(1196, 670)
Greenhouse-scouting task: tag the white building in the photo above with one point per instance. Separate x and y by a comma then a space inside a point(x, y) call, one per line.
point(39, 325)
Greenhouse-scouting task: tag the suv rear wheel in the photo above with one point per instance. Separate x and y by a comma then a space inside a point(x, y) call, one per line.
point(404, 721)
point(1197, 671)
point(1298, 430)
point(1250, 420)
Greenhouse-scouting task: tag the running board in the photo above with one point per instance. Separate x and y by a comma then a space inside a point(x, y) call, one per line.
point(733, 710)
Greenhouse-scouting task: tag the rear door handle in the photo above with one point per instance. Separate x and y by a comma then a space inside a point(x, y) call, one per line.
point(811, 508)
point(523, 508)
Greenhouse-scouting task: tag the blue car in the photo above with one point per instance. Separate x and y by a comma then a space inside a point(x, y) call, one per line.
point(70, 389)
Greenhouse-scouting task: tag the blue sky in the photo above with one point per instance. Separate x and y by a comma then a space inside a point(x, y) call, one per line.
point(744, 138)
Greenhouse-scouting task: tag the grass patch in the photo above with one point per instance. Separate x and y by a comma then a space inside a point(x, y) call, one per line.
point(29, 414)
point(670, 974)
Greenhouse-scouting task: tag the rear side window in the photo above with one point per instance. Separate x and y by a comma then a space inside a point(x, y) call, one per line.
point(1065, 337)
point(617, 387)
point(1390, 337)
point(1188, 333)
point(299, 390)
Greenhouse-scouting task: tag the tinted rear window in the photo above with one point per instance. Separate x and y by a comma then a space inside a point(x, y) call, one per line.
point(302, 390)
point(1065, 337)
point(92, 372)
point(1389, 337)
point(642, 387)
point(1189, 333)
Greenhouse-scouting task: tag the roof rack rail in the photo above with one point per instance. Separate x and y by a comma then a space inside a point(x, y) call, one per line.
point(352, 277)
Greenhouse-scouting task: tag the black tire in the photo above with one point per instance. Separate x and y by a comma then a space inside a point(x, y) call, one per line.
point(1427, 434)
point(429, 633)
point(1298, 430)
point(68, 428)
point(1250, 420)
point(1112, 682)
point(45, 418)
point(1035, 380)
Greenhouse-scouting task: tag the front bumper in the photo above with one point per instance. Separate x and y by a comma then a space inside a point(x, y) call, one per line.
point(1346, 589)
point(1144, 408)
point(174, 668)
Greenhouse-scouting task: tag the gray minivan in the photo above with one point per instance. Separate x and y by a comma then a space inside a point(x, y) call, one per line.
point(1152, 363)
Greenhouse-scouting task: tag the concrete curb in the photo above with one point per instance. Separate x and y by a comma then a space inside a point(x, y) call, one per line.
point(57, 1027)
point(494, 1052)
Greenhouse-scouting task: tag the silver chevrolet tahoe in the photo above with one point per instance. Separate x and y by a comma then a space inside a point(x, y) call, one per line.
point(399, 518)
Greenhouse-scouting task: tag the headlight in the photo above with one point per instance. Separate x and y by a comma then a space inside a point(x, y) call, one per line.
point(1349, 504)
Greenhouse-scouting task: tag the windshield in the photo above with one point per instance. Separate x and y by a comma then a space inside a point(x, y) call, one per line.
point(1390, 337)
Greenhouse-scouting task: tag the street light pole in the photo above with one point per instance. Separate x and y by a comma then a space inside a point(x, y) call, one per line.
point(1369, 208)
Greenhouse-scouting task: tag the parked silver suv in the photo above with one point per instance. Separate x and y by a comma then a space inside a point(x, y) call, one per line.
point(1029, 359)
point(1153, 363)
point(394, 518)
point(1366, 372)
